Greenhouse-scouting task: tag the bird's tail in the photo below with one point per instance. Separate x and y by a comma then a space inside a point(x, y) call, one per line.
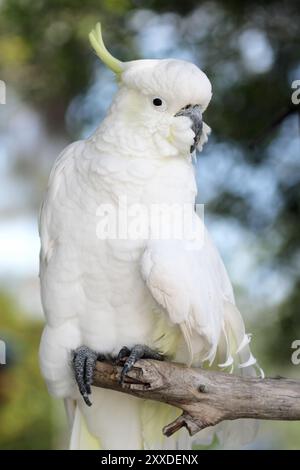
point(234, 356)
point(81, 438)
point(239, 360)
point(234, 345)
point(139, 427)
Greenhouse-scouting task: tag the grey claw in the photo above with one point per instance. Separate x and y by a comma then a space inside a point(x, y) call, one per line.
point(89, 372)
point(84, 362)
point(124, 352)
point(126, 368)
point(87, 400)
point(139, 351)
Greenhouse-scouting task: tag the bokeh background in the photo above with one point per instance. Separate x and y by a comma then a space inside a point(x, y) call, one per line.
point(248, 174)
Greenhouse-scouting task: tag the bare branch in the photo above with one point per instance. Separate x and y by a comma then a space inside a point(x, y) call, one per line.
point(205, 397)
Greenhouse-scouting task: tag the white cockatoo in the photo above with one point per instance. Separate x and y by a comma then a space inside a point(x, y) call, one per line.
point(144, 295)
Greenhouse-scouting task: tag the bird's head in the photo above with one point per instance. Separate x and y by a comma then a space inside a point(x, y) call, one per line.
point(166, 97)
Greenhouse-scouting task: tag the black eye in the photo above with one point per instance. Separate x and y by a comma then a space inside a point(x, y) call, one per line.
point(157, 102)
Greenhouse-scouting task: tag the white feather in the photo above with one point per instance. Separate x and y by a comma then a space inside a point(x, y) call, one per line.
point(107, 293)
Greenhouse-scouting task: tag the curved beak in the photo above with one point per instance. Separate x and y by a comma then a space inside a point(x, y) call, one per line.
point(195, 114)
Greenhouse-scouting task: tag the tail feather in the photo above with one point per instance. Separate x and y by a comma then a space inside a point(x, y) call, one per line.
point(81, 438)
point(238, 343)
point(234, 434)
point(153, 417)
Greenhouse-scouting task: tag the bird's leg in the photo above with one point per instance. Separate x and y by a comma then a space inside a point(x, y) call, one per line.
point(84, 363)
point(138, 351)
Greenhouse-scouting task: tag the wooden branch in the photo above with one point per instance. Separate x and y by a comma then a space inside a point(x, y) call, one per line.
point(205, 397)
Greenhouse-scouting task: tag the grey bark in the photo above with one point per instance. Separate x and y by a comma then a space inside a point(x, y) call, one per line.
point(205, 397)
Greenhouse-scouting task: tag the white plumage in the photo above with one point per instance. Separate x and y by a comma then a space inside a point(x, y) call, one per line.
point(172, 295)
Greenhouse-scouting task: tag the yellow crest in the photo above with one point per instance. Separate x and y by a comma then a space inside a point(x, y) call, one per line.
point(97, 43)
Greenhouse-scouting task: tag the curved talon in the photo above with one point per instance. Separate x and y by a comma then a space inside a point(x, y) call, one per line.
point(126, 368)
point(124, 352)
point(139, 351)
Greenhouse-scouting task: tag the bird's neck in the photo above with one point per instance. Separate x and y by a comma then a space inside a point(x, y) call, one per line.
point(118, 133)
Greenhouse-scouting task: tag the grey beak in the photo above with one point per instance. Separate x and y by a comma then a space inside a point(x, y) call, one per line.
point(195, 114)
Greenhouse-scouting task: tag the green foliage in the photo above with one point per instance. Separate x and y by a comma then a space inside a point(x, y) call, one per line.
point(26, 410)
point(44, 49)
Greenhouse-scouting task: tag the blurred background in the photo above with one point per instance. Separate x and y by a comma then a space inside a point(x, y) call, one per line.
point(248, 174)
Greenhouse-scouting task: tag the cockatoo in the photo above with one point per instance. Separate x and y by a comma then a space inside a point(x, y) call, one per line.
point(131, 297)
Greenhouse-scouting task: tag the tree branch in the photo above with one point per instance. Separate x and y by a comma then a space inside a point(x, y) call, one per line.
point(205, 397)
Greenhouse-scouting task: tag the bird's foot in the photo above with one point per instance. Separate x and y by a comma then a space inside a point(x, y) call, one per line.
point(129, 357)
point(84, 362)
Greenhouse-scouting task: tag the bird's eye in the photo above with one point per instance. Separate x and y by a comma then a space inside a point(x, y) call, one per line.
point(159, 103)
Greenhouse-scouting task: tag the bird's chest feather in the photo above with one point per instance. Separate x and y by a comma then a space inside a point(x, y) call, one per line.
point(102, 213)
point(113, 301)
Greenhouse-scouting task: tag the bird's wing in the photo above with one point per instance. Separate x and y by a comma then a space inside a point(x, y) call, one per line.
point(56, 179)
point(55, 222)
point(189, 280)
point(59, 296)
